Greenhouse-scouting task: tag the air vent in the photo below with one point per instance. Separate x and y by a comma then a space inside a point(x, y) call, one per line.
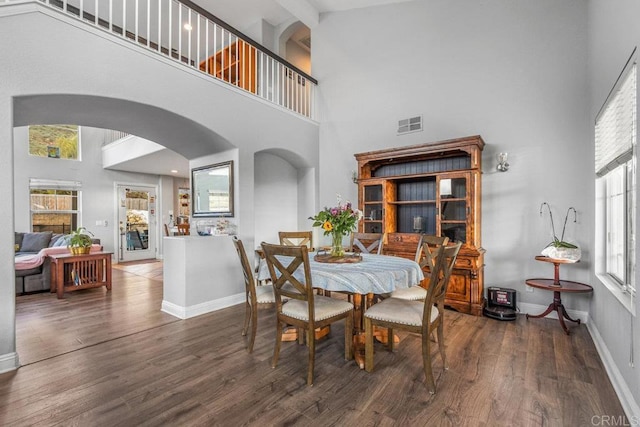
point(305, 41)
point(413, 124)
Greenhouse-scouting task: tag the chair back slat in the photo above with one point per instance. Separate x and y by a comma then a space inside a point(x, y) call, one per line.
point(445, 260)
point(249, 282)
point(367, 243)
point(419, 249)
point(284, 262)
point(430, 244)
point(183, 229)
point(296, 238)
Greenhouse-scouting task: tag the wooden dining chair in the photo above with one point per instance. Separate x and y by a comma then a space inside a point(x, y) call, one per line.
point(255, 296)
point(166, 230)
point(425, 257)
point(304, 310)
point(183, 229)
point(421, 317)
point(417, 256)
point(296, 238)
point(300, 238)
point(367, 243)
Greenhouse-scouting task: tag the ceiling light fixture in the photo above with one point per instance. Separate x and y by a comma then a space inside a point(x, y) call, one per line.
point(188, 27)
point(174, 171)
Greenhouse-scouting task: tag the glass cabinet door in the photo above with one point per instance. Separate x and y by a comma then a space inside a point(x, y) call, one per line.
point(453, 202)
point(373, 208)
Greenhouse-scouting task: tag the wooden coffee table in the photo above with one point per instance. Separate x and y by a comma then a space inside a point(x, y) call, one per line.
point(74, 272)
point(557, 286)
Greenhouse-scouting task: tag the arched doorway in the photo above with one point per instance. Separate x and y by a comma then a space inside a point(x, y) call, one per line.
point(294, 44)
point(284, 197)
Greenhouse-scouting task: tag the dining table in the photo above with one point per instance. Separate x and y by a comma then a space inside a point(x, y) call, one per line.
point(372, 274)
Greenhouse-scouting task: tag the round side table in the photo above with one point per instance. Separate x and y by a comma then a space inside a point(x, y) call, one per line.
point(557, 286)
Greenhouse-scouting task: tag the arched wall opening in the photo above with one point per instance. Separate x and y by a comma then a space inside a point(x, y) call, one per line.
point(167, 128)
point(284, 194)
point(294, 44)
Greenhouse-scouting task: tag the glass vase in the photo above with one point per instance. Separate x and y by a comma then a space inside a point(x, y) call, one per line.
point(336, 245)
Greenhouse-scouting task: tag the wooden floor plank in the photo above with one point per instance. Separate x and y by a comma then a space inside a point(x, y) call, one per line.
point(98, 358)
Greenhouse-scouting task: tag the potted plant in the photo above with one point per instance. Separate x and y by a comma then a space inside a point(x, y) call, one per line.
point(559, 248)
point(79, 241)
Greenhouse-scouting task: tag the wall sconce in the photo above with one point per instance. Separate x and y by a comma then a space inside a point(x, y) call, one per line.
point(502, 166)
point(354, 177)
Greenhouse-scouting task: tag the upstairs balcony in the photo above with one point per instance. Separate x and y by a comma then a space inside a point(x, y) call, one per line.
point(197, 39)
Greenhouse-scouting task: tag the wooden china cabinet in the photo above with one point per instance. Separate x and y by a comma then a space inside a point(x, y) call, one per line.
point(434, 189)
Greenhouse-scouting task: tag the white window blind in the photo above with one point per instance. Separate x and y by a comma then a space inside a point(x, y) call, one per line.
point(615, 130)
point(54, 184)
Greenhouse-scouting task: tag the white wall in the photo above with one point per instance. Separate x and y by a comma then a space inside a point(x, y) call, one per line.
point(98, 199)
point(614, 32)
point(512, 71)
point(103, 81)
point(276, 197)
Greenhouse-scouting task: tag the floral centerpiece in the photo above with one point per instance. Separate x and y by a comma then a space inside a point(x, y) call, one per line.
point(337, 222)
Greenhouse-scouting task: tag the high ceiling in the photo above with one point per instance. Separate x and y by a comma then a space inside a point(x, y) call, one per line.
point(242, 14)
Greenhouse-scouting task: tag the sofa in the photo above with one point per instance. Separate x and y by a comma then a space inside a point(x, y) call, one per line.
point(32, 266)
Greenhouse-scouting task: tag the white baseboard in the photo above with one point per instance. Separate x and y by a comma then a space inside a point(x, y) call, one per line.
point(538, 309)
point(629, 404)
point(9, 362)
point(202, 308)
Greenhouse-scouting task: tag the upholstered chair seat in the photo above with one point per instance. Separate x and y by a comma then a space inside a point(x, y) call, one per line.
point(324, 308)
point(414, 293)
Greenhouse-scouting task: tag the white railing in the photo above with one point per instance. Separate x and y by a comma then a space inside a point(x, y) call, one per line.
point(170, 28)
point(109, 136)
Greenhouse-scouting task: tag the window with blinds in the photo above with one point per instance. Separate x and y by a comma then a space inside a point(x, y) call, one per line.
point(54, 205)
point(615, 164)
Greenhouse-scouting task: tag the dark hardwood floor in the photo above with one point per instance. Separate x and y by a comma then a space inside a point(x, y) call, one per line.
point(100, 359)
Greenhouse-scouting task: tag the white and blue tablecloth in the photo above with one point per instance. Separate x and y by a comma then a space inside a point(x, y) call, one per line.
point(377, 274)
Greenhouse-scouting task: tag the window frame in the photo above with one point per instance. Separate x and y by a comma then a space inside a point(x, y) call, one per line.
point(54, 157)
point(55, 186)
point(623, 288)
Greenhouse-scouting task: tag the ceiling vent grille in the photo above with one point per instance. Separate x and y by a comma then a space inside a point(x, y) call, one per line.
point(306, 41)
point(412, 124)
